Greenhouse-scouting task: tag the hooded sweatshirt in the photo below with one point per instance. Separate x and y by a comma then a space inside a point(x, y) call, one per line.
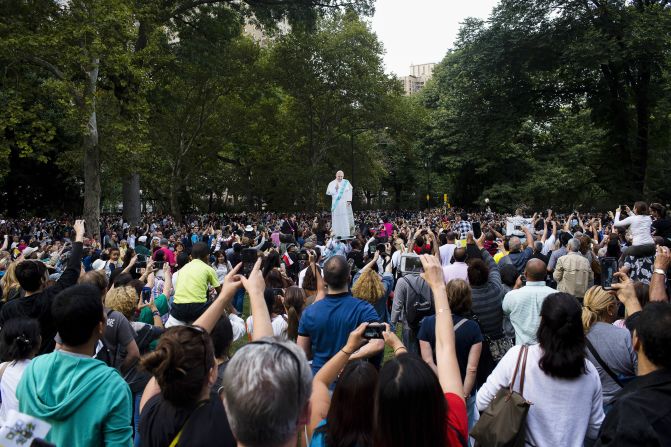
point(86, 402)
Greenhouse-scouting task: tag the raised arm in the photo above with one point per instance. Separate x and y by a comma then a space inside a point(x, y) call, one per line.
point(255, 286)
point(446, 355)
point(73, 269)
point(321, 398)
point(658, 280)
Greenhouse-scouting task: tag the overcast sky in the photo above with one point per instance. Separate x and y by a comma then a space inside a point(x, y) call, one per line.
point(421, 31)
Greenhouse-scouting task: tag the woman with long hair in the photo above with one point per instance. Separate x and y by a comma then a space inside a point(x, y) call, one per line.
point(562, 384)
point(369, 286)
point(19, 343)
point(334, 421)
point(616, 356)
point(294, 303)
point(178, 405)
point(221, 265)
point(414, 406)
point(11, 288)
point(278, 317)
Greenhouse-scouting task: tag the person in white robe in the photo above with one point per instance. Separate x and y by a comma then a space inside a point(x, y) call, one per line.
point(342, 217)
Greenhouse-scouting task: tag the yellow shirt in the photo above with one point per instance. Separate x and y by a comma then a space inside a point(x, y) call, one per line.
point(499, 255)
point(193, 281)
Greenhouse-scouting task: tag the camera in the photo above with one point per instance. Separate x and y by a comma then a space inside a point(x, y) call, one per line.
point(410, 264)
point(373, 331)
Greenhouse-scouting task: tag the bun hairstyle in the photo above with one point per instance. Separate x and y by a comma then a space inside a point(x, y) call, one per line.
point(19, 339)
point(595, 306)
point(181, 364)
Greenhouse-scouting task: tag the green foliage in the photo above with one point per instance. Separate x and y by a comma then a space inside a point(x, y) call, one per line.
point(561, 103)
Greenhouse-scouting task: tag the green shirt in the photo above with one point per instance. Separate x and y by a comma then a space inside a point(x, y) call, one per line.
point(161, 303)
point(194, 279)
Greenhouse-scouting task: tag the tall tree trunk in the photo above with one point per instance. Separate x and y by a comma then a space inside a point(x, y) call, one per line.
point(643, 127)
point(175, 188)
point(92, 188)
point(131, 198)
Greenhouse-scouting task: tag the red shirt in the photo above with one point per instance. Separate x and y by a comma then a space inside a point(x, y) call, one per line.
point(456, 418)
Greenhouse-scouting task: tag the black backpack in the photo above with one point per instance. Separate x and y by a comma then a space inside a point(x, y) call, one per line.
point(416, 306)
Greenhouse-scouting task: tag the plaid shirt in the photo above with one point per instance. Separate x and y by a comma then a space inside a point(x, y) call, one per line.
point(463, 228)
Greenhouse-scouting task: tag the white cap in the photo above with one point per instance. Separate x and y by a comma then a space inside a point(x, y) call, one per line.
point(98, 264)
point(28, 251)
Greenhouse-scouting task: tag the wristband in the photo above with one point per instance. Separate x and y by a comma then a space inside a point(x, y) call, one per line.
point(659, 272)
point(400, 347)
point(156, 313)
point(345, 352)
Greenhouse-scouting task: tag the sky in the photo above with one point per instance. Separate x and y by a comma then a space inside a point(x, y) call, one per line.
point(421, 31)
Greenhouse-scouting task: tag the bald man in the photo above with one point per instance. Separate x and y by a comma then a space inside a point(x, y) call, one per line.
point(523, 305)
point(342, 217)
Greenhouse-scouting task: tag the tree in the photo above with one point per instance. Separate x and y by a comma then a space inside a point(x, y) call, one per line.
point(550, 68)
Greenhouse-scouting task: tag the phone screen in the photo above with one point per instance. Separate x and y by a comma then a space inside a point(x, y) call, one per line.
point(413, 265)
point(608, 270)
point(146, 294)
point(249, 256)
point(477, 230)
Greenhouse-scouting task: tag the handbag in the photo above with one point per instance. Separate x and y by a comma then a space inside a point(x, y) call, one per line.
point(503, 423)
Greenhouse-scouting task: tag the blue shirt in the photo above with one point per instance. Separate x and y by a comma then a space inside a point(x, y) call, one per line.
point(329, 322)
point(466, 335)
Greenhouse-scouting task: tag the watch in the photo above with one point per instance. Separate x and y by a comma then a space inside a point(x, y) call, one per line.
point(659, 272)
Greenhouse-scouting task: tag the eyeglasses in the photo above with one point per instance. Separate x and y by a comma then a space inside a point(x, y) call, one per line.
point(200, 331)
point(296, 360)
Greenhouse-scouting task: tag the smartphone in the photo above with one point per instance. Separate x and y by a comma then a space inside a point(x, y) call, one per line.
point(477, 230)
point(303, 256)
point(249, 256)
point(158, 265)
point(608, 270)
point(373, 330)
point(371, 248)
point(411, 264)
point(277, 291)
point(146, 294)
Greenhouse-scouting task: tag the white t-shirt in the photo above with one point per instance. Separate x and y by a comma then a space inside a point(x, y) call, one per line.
point(446, 252)
point(279, 324)
point(10, 380)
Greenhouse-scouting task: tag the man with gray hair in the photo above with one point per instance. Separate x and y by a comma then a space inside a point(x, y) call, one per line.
point(267, 387)
point(517, 255)
point(573, 272)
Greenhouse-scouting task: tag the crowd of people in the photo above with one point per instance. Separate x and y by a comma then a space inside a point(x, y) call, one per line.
point(119, 334)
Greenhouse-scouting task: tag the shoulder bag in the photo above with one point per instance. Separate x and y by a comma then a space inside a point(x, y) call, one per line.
point(503, 423)
point(603, 364)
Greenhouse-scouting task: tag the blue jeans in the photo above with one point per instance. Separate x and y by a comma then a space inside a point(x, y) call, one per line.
point(136, 419)
point(239, 300)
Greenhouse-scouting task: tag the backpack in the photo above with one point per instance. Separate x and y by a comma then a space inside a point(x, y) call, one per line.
point(416, 306)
